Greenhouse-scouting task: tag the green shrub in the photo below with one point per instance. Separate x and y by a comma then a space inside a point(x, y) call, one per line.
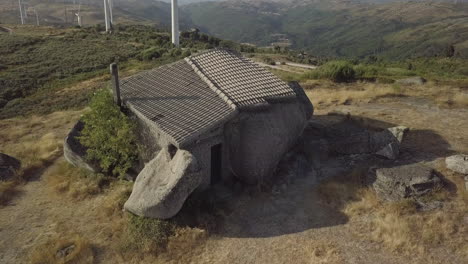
point(269, 61)
point(337, 71)
point(186, 53)
point(150, 54)
point(365, 71)
point(108, 135)
point(146, 234)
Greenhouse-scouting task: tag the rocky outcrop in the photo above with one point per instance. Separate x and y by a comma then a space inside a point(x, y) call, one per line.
point(74, 152)
point(457, 163)
point(164, 184)
point(392, 137)
point(9, 167)
point(406, 181)
point(412, 81)
point(385, 143)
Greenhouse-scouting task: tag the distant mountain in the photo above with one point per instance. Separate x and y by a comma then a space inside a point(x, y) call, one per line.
point(336, 28)
point(340, 27)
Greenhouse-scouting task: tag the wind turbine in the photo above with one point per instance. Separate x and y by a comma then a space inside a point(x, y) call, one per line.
point(175, 23)
point(21, 12)
point(78, 16)
point(111, 5)
point(106, 16)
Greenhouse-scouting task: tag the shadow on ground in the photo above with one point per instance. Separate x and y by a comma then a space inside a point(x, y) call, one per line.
point(293, 204)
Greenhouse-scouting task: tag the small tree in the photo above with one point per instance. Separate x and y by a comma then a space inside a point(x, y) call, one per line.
point(108, 135)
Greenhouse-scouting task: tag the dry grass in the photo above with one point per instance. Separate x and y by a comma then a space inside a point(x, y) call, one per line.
point(36, 141)
point(80, 251)
point(62, 178)
point(399, 226)
point(328, 93)
point(324, 253)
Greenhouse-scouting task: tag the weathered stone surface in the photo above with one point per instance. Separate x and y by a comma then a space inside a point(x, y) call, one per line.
point(164, 184)
point(458, 163)
point(412, 81)
point(74, 152)
point(385, 143)
point(394, 137)
point(413, 180)
point(259, 140)
point(8, 167)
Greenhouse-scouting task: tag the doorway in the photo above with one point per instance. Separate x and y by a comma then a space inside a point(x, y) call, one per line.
point(216, 163)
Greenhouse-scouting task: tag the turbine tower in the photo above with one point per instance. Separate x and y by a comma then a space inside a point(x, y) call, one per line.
point(175, 23)
point(21, 12)
point(111, 6)
point(106, 15)
point(78, 15)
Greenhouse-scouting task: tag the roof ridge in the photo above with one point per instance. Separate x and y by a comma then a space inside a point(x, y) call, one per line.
point(210, 84)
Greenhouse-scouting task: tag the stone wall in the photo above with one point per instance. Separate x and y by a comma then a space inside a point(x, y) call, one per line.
point(258, 140)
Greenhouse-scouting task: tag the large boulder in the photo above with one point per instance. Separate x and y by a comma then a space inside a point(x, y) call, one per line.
point(9, 166)
point(405, 181)
point(164, 184)
point(74, 152)
point(385, 143)
point(458, 163)
point(259, 140)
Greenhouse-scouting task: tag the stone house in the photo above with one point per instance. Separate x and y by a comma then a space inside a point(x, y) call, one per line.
point(205, 119)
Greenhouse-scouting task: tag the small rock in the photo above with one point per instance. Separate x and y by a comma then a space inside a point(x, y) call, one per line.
point(458, 163)
point(429, 206)
point(406, 181)
point(64, 252)
point(412, 81)
point(8, 167)
point(394, 136)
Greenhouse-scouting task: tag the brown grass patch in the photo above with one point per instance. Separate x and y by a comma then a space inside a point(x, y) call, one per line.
point(399, 226)
point(329, 93)
point(74, 250)
point(62, 178)
point(36, 141)
point(7, 191)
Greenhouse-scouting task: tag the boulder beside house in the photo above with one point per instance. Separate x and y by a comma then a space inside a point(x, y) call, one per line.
point(204, 120)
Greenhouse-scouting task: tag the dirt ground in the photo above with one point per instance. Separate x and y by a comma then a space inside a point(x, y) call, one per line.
point(290, 225)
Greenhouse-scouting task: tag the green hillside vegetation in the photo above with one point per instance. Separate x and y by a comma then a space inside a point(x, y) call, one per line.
point(35, 68)
point(394, 31)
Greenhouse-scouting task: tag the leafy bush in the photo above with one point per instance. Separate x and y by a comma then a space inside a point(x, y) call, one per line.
point(146, 234)
point(150, 54)
point(365, 71)
point(108, 135)
point(269, 61)
point(338, 71)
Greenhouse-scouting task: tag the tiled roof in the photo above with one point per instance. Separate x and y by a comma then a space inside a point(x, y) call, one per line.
point(241, 80)
point(191, 96)
point(176, 99)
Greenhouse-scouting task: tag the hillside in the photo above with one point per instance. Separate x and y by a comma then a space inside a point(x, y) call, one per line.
point(341, 28)
point(36, 62)
point(52, 12)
